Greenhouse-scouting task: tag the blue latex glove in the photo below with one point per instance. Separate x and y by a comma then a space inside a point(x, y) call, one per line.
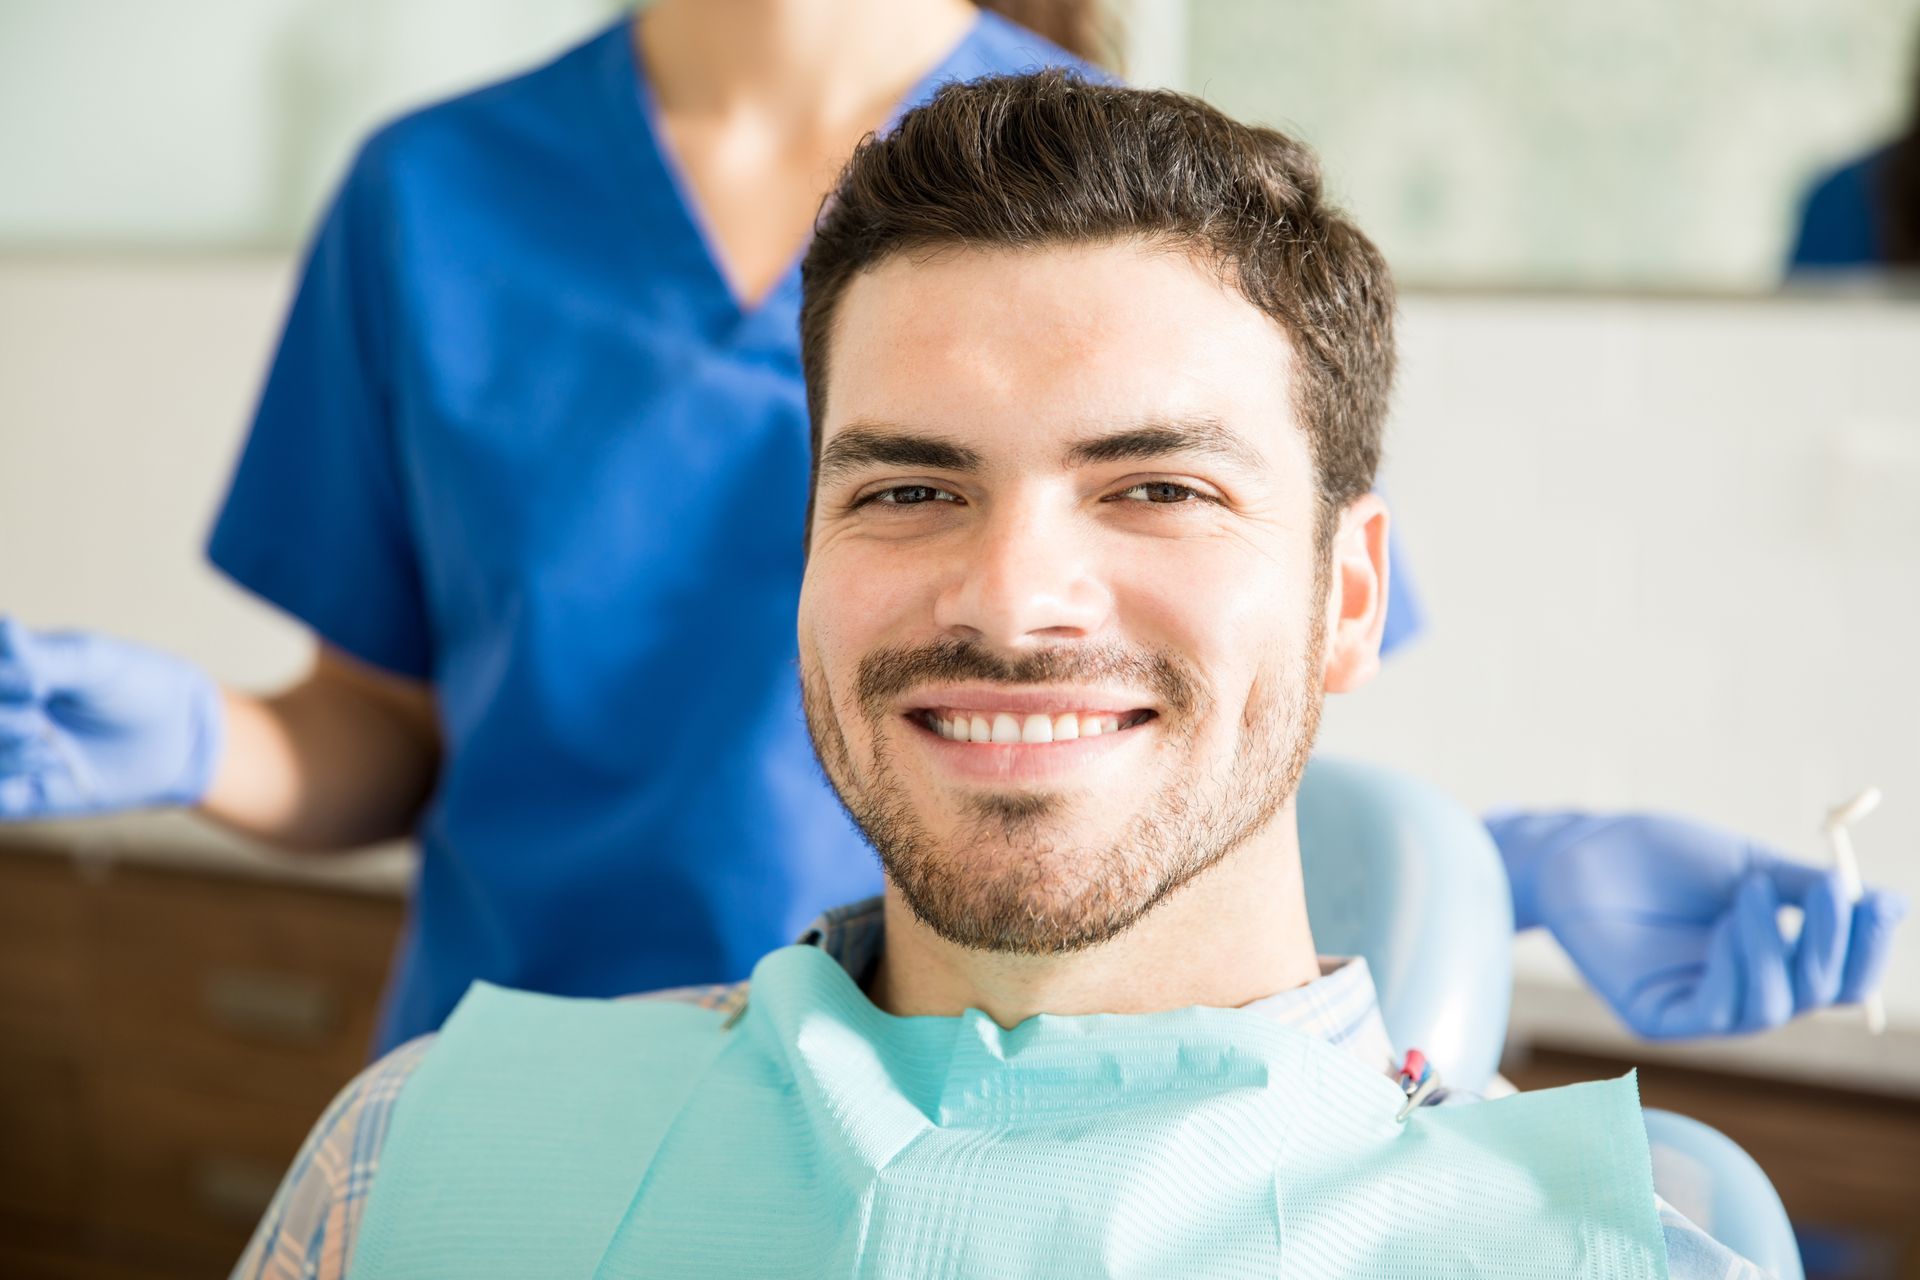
point(1674, 922)
point(89, 724)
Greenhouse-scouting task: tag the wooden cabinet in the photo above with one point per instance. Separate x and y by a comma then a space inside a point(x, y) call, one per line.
point(166, 1041)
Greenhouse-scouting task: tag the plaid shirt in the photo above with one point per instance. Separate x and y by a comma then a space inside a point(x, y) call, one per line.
point(309, 1230)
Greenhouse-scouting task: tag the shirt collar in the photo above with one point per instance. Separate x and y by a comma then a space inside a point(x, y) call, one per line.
point(1340, 1007)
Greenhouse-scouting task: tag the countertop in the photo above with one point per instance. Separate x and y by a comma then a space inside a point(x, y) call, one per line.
point(177, 841)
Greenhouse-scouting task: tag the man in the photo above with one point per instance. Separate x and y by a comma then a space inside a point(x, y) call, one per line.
point(1097, 385)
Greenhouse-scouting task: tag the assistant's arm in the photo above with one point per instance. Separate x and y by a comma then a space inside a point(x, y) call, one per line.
point(91, 724)
point(346, 757)
point(1674, 921)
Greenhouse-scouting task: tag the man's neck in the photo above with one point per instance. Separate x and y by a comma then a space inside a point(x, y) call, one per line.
point(810, 64)
point(1232, 935)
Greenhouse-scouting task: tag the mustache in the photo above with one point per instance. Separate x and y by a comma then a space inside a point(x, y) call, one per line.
point(886, 674)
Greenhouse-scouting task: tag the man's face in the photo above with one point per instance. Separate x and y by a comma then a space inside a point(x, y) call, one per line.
point(1063, 622)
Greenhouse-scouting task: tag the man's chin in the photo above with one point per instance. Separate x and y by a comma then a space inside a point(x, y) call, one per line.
point(1021, 924)
point(1005, 892)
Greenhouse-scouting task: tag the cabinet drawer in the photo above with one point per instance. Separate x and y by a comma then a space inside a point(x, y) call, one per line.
point(190, 1169)
point(246, 990)
point(167, 1039)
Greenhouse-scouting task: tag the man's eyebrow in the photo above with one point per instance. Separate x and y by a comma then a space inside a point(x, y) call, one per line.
point(864, 446)
point(1151, 440)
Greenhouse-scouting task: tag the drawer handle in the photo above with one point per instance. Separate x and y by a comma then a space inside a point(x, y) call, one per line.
point(270, 1006)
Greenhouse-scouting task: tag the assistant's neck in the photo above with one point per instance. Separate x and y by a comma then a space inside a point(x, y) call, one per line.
point(1234, 934)
point(812, 63)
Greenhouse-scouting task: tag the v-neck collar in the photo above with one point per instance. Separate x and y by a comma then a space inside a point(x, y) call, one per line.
point(663, 167)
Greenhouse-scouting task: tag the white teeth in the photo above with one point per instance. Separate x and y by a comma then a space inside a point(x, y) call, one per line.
point(1007, 728)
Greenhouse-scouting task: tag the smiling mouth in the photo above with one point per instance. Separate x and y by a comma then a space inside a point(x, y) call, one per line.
point(1008, 728)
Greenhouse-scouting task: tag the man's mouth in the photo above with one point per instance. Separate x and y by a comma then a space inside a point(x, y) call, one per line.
point(1010, 728)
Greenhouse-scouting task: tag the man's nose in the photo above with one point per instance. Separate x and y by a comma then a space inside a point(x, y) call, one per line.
point(1028, 577)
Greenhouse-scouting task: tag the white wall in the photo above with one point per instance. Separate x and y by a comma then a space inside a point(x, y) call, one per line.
point(225, 123)
point(125, 389)
point(1671, 549)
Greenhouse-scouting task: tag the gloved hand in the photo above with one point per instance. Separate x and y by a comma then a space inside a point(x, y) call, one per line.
point(1674, 922)
point(90, 724)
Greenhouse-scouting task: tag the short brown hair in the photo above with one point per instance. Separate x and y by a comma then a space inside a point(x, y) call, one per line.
point(1047, 159)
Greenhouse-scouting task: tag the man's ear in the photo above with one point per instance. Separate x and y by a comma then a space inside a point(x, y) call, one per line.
point(1356, 595)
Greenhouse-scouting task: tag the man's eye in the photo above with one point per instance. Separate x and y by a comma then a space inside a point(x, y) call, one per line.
point(908, 495)
point(1164, 492)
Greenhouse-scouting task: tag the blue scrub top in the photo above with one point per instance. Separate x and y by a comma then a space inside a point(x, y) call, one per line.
point(1840, 219)
point(521, 440)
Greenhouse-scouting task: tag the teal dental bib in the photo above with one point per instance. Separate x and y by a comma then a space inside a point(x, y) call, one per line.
point(821, 1136)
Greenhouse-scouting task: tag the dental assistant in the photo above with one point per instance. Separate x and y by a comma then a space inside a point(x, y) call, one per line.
point(532, 464)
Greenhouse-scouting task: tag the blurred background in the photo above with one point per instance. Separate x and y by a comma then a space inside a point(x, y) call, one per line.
point(1661, 493)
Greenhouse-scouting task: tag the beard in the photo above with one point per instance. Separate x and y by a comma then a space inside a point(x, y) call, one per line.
point(1012, 879)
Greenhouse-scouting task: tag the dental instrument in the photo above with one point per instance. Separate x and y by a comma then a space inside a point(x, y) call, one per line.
point(1838, 819)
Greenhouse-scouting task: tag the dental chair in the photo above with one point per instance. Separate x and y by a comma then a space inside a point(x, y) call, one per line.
point(1399, 872)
